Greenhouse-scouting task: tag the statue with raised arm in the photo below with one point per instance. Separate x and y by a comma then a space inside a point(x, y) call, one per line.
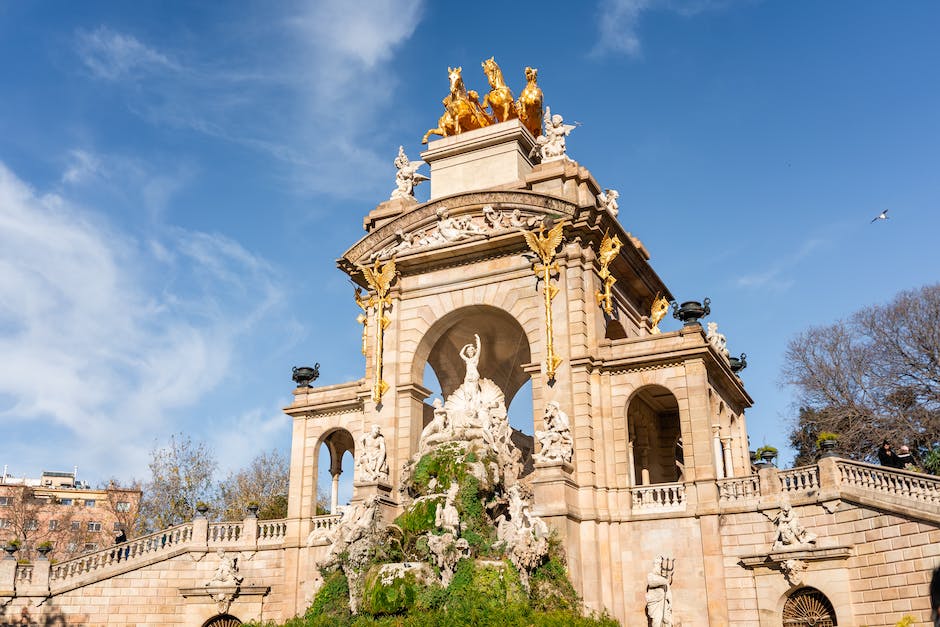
point(372, 462)
point(659, 593)
point(470, 354)
point(551, 145)
point(407, 176)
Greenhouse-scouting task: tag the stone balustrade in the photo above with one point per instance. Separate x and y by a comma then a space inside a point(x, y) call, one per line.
point(661, 497)
point(225, 532)
point(910, 486)
point(24, 574)
point(325, 523)
point(271, 531)
point(799, 480)
point(739, 489)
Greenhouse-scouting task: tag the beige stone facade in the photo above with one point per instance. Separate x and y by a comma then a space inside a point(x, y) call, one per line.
point(660, 465)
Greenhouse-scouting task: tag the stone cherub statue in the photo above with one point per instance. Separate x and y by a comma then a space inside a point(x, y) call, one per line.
point(407, 176)
point(659, 592)
point(790, 533)
point(717, 339)
point(556, 442)
point(608, 200)
point(550, 145)
point(372, 463)
point(446, 516)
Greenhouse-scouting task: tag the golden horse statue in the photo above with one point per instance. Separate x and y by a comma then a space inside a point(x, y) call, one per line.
point(529, 105)
point(462, 109)
point(500, 98)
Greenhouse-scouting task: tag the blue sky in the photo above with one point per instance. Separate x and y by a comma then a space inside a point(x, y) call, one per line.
point(177, 180)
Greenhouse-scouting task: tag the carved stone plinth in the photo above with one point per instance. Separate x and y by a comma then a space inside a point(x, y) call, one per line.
point(363, 490)
point(387, 211)
point(224, 596)
point(550, 483)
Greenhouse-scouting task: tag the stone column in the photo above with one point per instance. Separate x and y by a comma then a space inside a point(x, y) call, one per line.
point(718, 455)
point(644, 466)
point(631, 463)
point(334, 492)
point(729, 458)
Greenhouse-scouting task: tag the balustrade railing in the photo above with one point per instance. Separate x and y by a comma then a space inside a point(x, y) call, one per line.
point(325, 523)
point(796, 480)
point(271, 531)
point(24, 573)
point(134, 550)
point(662, 497)
point(225, 532)
point(738, 489)
point(900, 483)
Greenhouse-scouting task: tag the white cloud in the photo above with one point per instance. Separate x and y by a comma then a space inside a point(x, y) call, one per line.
point(619, 20)
point(83, 166)
point(102, 334)
point(774, 277)
point(113, 56)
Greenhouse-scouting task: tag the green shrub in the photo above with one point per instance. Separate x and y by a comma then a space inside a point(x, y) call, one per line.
point(332, 600)
point(393, 598)
point(825, 436)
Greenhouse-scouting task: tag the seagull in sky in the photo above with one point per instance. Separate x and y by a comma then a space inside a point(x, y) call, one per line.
point(881, 216)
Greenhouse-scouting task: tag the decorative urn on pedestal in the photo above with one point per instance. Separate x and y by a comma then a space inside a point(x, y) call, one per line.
point(738, 363)
point(691, 311)
point(303, 375)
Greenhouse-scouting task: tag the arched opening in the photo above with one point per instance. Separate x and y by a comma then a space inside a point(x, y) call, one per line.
point(504, 349)
point(615, 331)
point(808, 607)
point(655, 436)
point(334, 471)
point(222, 620)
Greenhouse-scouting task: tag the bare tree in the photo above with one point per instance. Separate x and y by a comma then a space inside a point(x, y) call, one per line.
point(873, 377)
point(263, 482)
point(181, 478)
point(33, 520)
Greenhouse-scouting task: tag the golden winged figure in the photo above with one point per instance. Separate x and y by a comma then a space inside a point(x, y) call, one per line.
point(610, 248)
point(380, 278)
point(658, 312)
point(545, 245)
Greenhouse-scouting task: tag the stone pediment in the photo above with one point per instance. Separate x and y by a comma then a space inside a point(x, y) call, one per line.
point(455, 220)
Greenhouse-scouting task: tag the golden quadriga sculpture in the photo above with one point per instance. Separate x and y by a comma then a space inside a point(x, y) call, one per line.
point(464, 112)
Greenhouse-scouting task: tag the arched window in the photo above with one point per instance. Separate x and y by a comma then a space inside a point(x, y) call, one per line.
point(808, 607)
point(222, 620)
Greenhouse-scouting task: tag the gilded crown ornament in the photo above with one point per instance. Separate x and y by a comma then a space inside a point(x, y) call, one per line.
point(380, 278)
point(544, 245)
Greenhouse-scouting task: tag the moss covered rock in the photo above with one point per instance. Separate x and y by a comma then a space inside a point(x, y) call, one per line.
point(394, 588)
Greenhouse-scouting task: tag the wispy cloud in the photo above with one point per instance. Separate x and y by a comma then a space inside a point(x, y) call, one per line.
point(114, 56)
point(619, 21)
point(775, 277)
point(104, 333)
point(310, 100)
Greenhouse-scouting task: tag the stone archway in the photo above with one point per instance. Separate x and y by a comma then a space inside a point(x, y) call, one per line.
point(505, 349)
point(808, 607)
point(655, 436)
point(337, 442)
point(222, 620)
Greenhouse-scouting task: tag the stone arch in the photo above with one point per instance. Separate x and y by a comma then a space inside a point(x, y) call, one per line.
point(655, 436)
point(615, 331)
point(338, 442)
point(808, 607)
point(222, 620)
point(505, 348)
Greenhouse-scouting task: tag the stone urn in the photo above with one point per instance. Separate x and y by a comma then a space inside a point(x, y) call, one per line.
point(738, 363)
point(768, 458)
point(303, 375)
point(252, 510)
point(43, 550)
point(828, 448)
point(11, 549)
point(201, 509)
point(691, 311)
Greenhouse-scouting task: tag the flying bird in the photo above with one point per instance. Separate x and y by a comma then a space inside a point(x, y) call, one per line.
point(881, 216)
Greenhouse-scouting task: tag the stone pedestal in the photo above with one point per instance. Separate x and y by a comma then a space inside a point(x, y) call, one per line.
point(387, 506)
point(550, 483)
point(488, 157)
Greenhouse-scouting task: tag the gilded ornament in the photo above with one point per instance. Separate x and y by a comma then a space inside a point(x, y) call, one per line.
point(500, 98)
point(529, 105)
point(545, 245)
point(462, 109)
point(610, 248)
point(380, 278)
point(363, 318)
point(657, 312)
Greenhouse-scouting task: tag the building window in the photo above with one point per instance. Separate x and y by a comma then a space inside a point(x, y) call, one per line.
point(76, 526)
point(89, 502)
point(31, 525)
point(122, 506)
point(94, 525)
point(90, 546)
point(6, 501)
point(53, 524)
point(65, 502)
point(4, 523)
point(118, 526)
